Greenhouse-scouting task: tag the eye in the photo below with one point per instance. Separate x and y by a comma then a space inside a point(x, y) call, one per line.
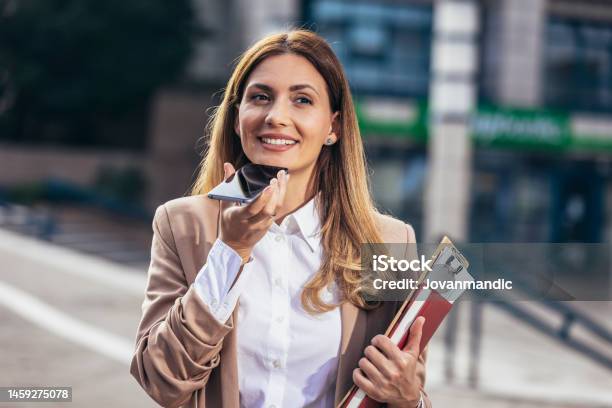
point(259, 97)
point(303, 99)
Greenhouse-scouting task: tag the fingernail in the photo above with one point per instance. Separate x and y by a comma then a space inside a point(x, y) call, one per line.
point(273, 181)
point(267, 190)
point(281, 173)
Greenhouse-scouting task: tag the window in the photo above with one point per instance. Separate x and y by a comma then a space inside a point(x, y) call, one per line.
point(384, 47)
point(578, 64)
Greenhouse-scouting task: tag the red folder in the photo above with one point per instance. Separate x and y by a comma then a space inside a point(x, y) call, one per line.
point(431, 304)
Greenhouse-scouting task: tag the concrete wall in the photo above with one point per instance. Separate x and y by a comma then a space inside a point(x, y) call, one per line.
point(258, 18)
point(213, 54)
point(24, 164)
point(178, 119)
point(519, 42)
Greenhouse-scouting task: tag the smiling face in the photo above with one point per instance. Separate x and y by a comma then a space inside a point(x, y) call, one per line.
point(284, 117)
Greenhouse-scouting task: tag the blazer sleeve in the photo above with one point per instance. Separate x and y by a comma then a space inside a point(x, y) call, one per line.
point(178, 340)
point(421, 370)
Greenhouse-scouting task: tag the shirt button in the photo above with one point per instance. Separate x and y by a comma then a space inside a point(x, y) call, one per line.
point(278, 282)
point(272, 406)
point(213, 303)
point(278, 238)
point(276, 363)
point(280, 319)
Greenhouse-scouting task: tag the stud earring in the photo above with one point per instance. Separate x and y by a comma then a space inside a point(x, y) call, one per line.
point(329, 141)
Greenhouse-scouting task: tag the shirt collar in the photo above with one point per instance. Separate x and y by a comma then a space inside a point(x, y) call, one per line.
point(306, 220)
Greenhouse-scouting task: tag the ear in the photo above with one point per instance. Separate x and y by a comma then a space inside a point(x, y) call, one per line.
point(237, 119)
point(335, 126)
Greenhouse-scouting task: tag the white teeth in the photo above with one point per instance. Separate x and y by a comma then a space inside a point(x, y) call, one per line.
point(278, 141)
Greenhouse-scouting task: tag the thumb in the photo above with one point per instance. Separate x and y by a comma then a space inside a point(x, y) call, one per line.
point(413, 345)
point(228, 170)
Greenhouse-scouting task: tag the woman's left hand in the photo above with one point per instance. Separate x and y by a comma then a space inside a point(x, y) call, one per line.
point(388, 374)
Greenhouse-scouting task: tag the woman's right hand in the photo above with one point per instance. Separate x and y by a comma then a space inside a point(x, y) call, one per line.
point(243, 226)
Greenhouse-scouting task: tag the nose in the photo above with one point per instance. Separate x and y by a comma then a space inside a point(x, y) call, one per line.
point(278, 115)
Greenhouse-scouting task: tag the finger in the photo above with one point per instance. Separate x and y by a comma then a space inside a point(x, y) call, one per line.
point(228, 170)
point(389, 349)
point(371, 371)
point(283, 178)
point(256, 206)
point(269, 209)
point(414, 338)
point(379, 360)
point(362, 382)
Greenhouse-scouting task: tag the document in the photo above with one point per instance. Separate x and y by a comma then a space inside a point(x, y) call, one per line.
point(448, 265)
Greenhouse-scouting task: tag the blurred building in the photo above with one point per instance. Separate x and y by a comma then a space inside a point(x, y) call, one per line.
point(542, 129)
point(163, 144)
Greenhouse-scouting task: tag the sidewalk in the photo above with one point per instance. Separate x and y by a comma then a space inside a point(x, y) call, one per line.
point(77, 317)
point(52, 346)
point(519, 364)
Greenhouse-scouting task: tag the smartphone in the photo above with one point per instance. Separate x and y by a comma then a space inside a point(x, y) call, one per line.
point(245, 185)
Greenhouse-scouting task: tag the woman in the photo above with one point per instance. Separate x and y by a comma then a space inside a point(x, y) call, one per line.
point(260, 305)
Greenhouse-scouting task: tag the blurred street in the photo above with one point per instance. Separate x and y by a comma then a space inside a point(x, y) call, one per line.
point(519, 367)
point(110, 236)
point(75, 323)
point(69, 319)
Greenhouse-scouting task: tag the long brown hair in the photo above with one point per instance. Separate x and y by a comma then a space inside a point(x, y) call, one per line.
point(345, 204)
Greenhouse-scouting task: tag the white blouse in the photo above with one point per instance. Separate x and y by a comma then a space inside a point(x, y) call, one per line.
point(286, 357)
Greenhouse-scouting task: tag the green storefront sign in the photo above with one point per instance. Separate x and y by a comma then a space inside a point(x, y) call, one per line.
point(392, 119)
point(492, 126)
point(513, 128)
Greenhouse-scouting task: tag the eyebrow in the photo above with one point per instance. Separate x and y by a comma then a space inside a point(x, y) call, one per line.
point(291, 88)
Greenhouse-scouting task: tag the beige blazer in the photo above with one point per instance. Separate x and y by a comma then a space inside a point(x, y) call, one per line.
point(183, 356)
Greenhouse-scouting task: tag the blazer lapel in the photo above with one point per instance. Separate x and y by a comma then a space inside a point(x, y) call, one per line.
point(353, 333)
